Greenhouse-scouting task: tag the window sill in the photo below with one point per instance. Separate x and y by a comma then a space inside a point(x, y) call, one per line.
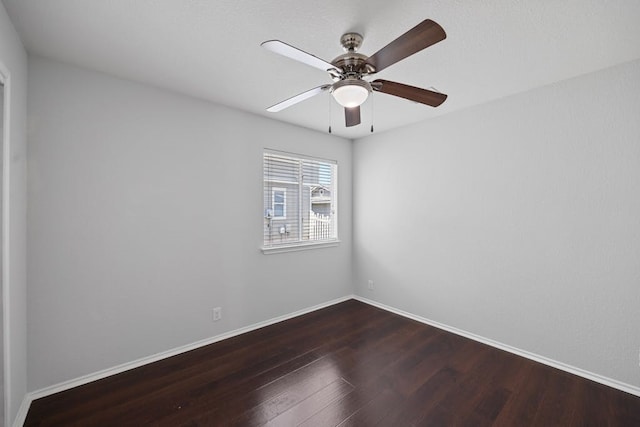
point(299, 247)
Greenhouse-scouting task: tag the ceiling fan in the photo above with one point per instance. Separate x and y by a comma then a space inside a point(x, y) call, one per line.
point(349, 70)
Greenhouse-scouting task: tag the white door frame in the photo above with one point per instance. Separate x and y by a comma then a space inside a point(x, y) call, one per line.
point(5, 79)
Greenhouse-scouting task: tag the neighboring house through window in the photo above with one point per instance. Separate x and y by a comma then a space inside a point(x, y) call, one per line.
point(300, 200)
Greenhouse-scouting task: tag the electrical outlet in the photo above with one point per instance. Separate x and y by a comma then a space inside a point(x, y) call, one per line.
point(370, 285)
point(217, 314)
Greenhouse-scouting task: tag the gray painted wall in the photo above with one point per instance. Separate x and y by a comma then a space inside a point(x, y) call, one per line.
point(2, 331)
point(516, 220)
point(13, 60)
point(145, 212)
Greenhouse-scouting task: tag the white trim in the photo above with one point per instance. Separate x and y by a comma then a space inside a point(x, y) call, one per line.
point(268, 250)
point(281, 181)
point(288, 155)
point(85, 379)
point(5, 79)
point(334, 200)
point(21, 416)
point(628, 388)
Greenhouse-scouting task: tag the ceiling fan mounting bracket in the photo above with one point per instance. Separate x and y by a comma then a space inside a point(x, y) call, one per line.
point(351, 42)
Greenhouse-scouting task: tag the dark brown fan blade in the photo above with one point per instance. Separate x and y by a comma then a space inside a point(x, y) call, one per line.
point(352, 116)
point(411, 93)
point(419, 37)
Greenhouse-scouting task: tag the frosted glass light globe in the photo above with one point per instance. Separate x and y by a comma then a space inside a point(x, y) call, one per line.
point(351, 93)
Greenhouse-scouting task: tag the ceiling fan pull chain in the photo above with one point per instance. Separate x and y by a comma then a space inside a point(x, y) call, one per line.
point(329, 98)
point(372, 114)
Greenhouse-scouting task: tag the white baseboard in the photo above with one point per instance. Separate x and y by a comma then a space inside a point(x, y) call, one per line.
point(85, 379)
point(66, 385)
point(628, 388)
point(21, 416)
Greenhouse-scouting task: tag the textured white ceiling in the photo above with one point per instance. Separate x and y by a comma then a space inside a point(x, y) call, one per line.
point(211, 49)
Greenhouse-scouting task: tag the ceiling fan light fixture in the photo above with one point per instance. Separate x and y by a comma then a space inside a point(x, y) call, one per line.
point(349, 69)
point(351, 93)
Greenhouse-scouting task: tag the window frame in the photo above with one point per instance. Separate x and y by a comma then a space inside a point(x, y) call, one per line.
point(300, 243)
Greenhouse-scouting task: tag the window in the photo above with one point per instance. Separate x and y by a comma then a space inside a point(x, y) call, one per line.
point(279, 203)
point(300, 201)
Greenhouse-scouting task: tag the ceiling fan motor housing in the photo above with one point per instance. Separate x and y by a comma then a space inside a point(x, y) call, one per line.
point(352, 63)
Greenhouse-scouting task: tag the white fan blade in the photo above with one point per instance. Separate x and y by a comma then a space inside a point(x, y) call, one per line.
point(299, 55)
point(298, 98)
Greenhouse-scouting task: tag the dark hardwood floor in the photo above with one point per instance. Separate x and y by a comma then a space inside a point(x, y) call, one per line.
point(349, 364)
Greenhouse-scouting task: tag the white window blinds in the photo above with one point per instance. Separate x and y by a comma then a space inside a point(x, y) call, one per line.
point(300, 200)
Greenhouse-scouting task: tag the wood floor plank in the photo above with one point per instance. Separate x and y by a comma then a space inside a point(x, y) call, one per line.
point(417, 406)
point(230, 406)
point(310, 406)
point(289, 391)
point(342, 409)
point(374, 411)
point(350, 364)
point(523, 405)
point(470, 402)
